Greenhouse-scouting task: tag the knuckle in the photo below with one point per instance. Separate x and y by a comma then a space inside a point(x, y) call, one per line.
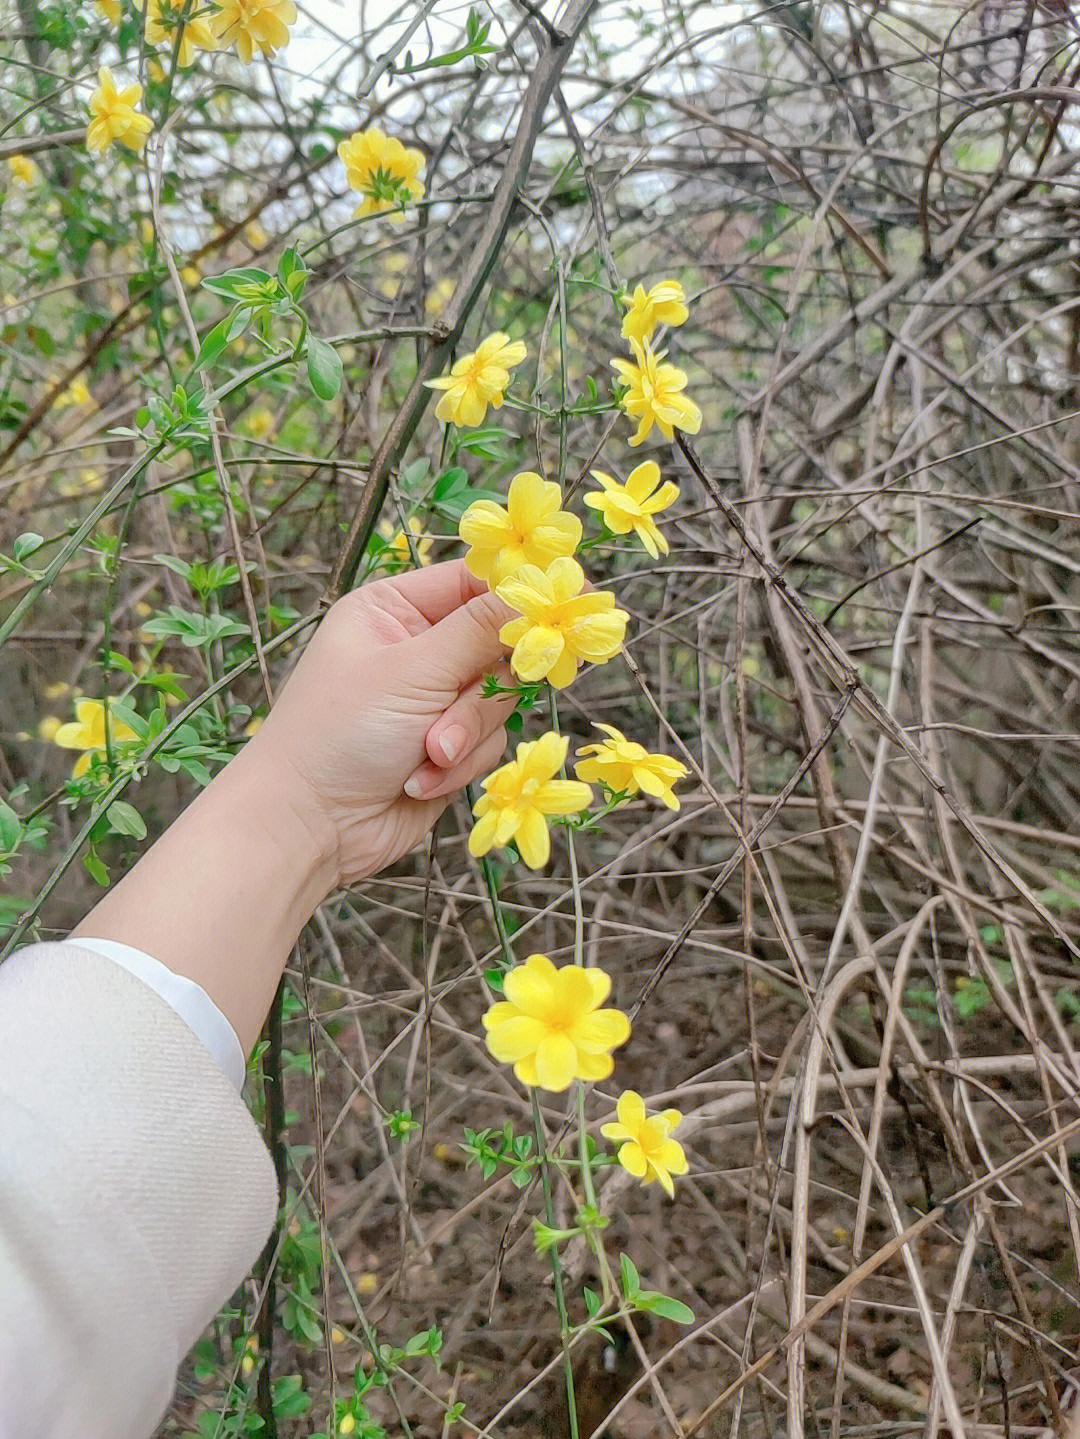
point(489, 612)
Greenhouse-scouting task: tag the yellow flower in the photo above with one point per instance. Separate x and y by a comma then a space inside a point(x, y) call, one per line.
point(519, 797)
point(248, 24)
point(632, 506)
point(560, 628)
point(89, 481)
point(76, 393)
point(621, 764)
point(477, 380)
point(439, 296)
point(87, 732)
point(23, 169)
point(654, 395)
point(259, 422)
point(111, 9)
point(551, 1028)
point(531, 530)
point(398, 545)
point(255, 235)
point(250, 1351)
point(662, 305)
point(196, 34)
point(379, 167)
point(115, 118)
point(647, 1151)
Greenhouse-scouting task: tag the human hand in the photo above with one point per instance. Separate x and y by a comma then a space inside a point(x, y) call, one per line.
point(382, 720)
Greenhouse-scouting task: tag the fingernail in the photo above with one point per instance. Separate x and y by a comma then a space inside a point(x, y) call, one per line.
point(412, 788)
point(452, 741)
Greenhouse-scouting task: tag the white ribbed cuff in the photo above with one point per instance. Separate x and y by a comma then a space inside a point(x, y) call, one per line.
point(190, 1001)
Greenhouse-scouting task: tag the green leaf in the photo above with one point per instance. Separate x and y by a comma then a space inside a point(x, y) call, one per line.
point(126, 819)
point(323, 367)
point(650, 1302)
point(10, 828)
point(631, 1283)
point(592, 1301)
point(96, 870)
point(24, 545)
point(214, 341)
point(292, 272)
point(232, 283)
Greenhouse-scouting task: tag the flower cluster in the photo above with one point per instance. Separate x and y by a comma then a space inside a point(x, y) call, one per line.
point(654, 388)
point(248, 26)
point(162, 22)
point(252, 25)
point(550, 1026)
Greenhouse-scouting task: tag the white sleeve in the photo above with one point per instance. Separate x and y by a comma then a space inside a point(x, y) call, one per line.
point(135, 1195)
point(190, 1000)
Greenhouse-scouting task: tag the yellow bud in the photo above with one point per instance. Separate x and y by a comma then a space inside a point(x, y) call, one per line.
point(57, 691)
point(47, 728)
point(337, 1336)
point(191, 275)
point(347, 1425)
point(253, 725)
point(367, 1284)
point(146, 231)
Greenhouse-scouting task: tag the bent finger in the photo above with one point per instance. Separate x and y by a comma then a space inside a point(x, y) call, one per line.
point(464, 644)
point(469, 720)
point(429, 782)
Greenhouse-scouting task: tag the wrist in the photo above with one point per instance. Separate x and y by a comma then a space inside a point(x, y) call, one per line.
point(283, 804)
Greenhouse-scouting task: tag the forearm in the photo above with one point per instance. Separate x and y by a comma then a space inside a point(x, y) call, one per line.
point(223, 894)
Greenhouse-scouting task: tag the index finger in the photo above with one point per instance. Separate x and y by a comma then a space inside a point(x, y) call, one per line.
point(434, 591)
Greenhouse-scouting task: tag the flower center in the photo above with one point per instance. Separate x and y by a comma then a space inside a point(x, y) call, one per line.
point(475, 373)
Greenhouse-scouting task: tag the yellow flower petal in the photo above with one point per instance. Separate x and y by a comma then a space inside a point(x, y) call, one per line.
point(556, 1059)
point(533, 840)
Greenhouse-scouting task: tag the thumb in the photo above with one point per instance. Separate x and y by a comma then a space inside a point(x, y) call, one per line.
point(464, 643)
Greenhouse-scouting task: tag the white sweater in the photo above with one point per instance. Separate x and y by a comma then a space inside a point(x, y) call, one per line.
point(135, 1195)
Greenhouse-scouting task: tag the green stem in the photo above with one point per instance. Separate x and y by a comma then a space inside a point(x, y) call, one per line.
point(556, 1266)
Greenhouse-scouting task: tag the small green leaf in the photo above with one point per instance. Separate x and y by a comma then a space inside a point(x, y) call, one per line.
point(631, 1283)
point(96, 870)
point(10, 827)
point(648, 1302)
point(214, 341)
point(124, 818)
point(592, 1301)
point(323, 367)
point(24, 545)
